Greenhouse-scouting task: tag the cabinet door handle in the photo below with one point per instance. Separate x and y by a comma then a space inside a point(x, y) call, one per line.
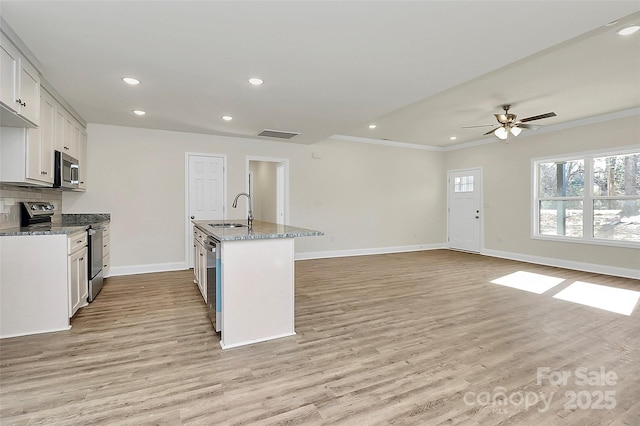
point(19, 101)
point(78, 242)
point(82, 258)
point(24, 104)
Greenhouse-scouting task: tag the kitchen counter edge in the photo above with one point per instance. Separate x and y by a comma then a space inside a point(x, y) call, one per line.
point(261, 231)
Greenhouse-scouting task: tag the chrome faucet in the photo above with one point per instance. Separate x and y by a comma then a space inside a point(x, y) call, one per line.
point(250, 217)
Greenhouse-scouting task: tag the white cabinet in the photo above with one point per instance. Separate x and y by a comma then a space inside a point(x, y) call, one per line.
point(27, 154)
point(24, 158)
point(40, 150)
point(34, 289)
point(200, 262)
point(77, 265)
point(82, 160)
point(20, 85)
point(106, 251)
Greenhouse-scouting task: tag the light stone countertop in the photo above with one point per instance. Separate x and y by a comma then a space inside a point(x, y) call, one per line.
point(71, 224)
point(260, 230)
point(53, 229)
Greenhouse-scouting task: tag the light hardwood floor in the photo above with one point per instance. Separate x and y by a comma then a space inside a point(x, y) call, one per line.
point(418, 338)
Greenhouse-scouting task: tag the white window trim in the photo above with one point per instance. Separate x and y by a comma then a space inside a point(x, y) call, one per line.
point(587, 199)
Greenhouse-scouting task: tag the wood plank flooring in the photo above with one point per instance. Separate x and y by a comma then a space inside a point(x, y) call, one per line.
point(417, 338)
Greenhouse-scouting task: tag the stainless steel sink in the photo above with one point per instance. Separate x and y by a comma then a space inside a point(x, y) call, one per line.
point(227, 225)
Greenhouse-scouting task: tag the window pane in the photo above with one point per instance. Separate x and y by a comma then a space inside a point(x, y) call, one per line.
point(561, 179)
point(561, 218)
point(616, 175)
point(616, 219)
point(463, 184)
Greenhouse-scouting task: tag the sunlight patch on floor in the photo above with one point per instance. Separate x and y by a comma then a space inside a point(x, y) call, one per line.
point(611, 299)
point(528, 281)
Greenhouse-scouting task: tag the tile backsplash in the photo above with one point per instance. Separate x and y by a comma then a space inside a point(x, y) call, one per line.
point(11, 196)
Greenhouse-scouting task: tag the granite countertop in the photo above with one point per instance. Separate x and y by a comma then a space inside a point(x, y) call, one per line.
point(53, 229)
point(260, 230)
point(71, 224)
point(85, 218)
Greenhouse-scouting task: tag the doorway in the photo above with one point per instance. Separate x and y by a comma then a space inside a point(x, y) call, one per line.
point(464, 213)
point(268, 185)
point(205, 188)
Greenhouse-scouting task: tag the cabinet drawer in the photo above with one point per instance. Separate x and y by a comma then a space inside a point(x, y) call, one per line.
point(106, 245)
point(76, 242)
point(198, 235)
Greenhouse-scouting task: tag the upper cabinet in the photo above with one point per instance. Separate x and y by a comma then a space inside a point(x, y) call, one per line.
point(19, 88)
point(27, 154)
point(35, 121)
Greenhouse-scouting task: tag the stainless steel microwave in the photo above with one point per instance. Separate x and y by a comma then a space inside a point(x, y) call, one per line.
point(67, 171)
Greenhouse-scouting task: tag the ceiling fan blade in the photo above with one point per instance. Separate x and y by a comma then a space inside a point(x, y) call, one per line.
point(492, 130)
point(529, 126)
point(539, 117)
point(481, 125)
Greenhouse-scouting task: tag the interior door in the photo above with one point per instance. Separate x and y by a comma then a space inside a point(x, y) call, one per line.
point(464, 213)
point(206, 188)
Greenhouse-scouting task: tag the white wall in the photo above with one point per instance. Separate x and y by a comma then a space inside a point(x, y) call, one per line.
point(366, 198)
point(362, 196)
point(508, 191)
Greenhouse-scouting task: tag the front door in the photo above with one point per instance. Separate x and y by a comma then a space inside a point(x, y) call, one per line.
point(464, 213)
point(206, 187)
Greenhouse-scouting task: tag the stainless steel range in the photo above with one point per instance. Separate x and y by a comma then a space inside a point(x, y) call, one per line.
point(36, 213)
point(96, 274)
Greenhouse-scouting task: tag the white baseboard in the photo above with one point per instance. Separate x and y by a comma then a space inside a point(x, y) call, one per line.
point(560, 263)
point(567, 264)
point(367, 251)
point(146, 269)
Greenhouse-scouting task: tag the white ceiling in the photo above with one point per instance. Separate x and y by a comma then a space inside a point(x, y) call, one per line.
point(420, 70)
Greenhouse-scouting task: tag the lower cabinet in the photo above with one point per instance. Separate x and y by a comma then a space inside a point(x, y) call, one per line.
point(200, 262)
point(78, 280)
point(43, 282)
point(106, 251)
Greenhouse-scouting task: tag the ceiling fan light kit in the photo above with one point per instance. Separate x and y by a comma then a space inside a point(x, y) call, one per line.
point(509, 124)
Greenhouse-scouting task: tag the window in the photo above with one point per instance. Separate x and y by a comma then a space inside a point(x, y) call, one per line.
point(588, 198)
point(463, 184)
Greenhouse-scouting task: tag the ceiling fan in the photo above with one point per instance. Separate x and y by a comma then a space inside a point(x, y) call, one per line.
point(510, 125)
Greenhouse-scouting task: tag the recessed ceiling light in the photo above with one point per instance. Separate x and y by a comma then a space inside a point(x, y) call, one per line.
point(256, 81)
point(139, 112)
point(453, 138)
point(629, 30)
point(227, 117)
point(130, 80)
point(372, 126)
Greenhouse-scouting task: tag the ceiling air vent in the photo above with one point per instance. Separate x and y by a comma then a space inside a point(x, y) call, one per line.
point(277, 134)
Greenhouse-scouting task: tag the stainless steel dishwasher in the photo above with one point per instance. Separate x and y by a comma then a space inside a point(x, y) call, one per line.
point(214, 305)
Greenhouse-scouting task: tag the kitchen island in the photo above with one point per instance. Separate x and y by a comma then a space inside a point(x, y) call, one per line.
point(256, 280)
